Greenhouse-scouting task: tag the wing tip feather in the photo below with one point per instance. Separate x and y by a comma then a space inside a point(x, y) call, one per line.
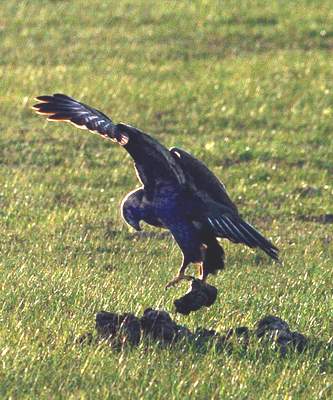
point(38, 111)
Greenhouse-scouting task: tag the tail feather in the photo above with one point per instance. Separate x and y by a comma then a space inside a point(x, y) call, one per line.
point(259, 240)
point(240, 231)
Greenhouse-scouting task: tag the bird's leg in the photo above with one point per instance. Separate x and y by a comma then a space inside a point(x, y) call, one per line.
point(181, 274)
point(202, 275)
point(200, 271)
point(180, 277)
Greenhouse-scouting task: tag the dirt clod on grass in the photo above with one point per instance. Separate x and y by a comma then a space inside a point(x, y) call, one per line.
point(199, 295)
point(157, 326)
point(118, 329)
point(276, 330)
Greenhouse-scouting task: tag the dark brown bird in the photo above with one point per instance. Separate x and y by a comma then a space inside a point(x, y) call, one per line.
point(178, 191)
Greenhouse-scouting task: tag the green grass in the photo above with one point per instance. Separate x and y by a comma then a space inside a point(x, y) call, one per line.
point(245, 86)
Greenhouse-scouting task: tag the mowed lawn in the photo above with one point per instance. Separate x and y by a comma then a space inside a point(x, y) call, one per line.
point(246, 86)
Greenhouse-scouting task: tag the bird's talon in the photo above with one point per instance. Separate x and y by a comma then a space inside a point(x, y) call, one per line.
point(177, 280)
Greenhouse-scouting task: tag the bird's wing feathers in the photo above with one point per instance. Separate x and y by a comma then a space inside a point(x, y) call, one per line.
point(239, 231)
point(60, 107)
point(202, 180)
point(153, 162)
point(219, 213)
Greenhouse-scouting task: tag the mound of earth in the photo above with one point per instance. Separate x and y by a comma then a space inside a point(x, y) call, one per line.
point(120, 330)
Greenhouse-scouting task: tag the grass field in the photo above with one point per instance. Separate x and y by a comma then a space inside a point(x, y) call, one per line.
point(245, 86)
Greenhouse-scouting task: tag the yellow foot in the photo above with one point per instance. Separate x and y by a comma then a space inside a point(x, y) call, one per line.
point(178, 279)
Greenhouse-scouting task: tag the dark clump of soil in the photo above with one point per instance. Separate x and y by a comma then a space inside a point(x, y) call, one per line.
point(274, 329)
point(200, 295)
point(159, 326)
point(120, 330)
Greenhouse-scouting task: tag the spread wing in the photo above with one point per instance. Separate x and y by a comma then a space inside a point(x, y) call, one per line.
point(219, 214)
point(60, 107)
point(202, 181)
point(153, 162)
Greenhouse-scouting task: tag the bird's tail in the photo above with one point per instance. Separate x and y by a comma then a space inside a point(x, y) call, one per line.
point(239, 231)
point(256, 239)
point(60, 107)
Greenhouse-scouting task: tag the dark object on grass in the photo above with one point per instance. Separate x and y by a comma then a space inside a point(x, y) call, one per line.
point(178, 192)
point(157, 325)
point(200, 295)
point(118, 329)
point(277, 331)
point(204, 338)
point(270, 324)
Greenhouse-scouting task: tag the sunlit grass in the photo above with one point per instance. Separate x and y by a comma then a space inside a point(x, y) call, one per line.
point(244, 86)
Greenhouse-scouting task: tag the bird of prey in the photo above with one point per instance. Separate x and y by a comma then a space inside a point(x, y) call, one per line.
point(178, 191)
